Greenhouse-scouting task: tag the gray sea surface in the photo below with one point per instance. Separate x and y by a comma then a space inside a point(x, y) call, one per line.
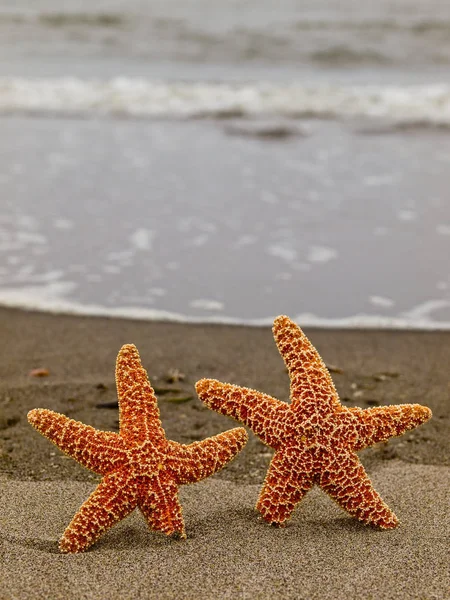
point(227, 161)
point(232, 38)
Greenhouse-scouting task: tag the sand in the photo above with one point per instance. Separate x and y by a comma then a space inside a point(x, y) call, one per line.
point(229, 553)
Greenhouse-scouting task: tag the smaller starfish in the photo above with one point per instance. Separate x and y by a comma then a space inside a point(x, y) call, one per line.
point(315, 438)
point(139, 466)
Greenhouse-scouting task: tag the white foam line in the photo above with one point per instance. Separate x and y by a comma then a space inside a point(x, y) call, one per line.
point(360, 321)
point(138, 97)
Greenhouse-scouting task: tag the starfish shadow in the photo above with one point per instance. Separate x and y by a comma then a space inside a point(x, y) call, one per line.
point(348, 524)
point(330, 527)
point(128, 538)
point(131, 537)
point(46, 546)
point(238, 519)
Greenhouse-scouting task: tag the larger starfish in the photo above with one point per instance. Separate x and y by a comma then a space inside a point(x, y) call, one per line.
point(139, 466)
point(315, 438)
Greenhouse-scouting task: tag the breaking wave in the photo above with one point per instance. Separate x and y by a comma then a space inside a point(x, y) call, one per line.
point(144, 98)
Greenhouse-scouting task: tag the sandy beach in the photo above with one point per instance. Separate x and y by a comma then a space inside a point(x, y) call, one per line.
point(229, 553)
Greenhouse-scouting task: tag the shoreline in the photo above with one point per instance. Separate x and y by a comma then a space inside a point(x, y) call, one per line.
point(229, 553)
point(409, 321)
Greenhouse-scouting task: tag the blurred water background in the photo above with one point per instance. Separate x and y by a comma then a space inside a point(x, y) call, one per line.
point(227, 161)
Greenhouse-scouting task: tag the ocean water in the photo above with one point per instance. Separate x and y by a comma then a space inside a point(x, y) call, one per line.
point(227, 161)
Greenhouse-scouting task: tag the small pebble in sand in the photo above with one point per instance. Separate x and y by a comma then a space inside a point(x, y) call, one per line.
point(173, 375)
point(335, 369)
point(39, 373)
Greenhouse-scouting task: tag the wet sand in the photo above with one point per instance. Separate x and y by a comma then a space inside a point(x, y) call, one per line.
point(229, 553)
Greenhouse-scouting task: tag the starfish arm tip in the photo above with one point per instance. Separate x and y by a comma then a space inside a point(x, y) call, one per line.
point(386, 520)
point(128, 359)
point(283, 323)
point(212, 392)
point(241, 434)
point(280, 321)
point(34, 414)
point(427, 413)
point(40, 418)
point(128, 349)
point(138, 405)
point(66, 547)
point(202, 387)
point(177, 535)
point(246, 405)
point(93, 449)
point(204, 458)
point(378, 424)
point(310, 379)
point(390, 525)
point(416, 413)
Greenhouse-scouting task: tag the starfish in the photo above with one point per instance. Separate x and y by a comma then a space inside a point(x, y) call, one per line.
point(315, 437)
point(139, 466)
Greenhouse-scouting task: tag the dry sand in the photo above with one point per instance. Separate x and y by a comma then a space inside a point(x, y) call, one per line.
point(323, 553)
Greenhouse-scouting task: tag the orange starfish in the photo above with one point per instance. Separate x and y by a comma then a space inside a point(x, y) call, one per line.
point(315, 438)
point(139, 466)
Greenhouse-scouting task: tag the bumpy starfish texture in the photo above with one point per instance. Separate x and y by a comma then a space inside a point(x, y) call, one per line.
point(315, 438)
point(139, 466)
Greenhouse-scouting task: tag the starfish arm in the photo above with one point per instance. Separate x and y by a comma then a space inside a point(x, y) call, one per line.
point(99, 451)
point(380, 423)
point(284, 487)
point(346, 481)
point(159, 503)
point(113, 499)
point(201, 459)
point(138, 408)
point(310, 380)
point(263, 414)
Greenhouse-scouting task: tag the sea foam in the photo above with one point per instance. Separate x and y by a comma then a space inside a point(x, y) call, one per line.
point(144, 98)
point(51, 298)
